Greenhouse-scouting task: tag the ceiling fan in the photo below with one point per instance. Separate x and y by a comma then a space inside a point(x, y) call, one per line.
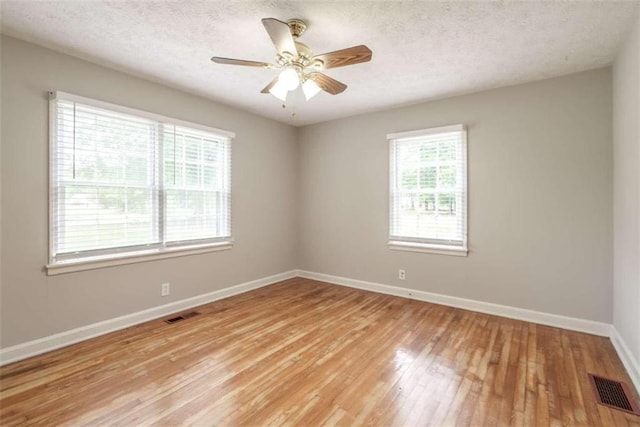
point(299, 65)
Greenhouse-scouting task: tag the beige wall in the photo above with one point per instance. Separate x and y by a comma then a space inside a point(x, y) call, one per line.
point(626, 190)
point(263, 183)
point(540, 178)
point(540, 202)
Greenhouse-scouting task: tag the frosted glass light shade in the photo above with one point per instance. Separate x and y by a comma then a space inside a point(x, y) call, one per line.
point(279, 91)
point(310, 89)
point(289, 79)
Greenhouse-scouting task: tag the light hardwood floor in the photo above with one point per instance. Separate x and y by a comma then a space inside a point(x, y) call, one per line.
point(309, 353)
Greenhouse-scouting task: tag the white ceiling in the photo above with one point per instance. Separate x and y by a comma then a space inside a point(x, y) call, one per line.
point(421, 49)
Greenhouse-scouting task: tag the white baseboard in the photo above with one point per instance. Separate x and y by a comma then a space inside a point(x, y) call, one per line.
point(558, 321)
point(63, 339)
point(571, 323)
point(629, 362)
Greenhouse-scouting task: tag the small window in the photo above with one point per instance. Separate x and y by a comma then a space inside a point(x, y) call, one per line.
point(428, 190)
point(125, 182)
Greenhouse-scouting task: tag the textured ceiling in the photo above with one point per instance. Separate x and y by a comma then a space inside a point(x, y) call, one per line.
point(421, 50)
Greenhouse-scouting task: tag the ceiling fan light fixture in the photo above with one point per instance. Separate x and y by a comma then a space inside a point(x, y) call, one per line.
point(298, 65)
point(310, 89)
point(280, 91)
point(289, 79)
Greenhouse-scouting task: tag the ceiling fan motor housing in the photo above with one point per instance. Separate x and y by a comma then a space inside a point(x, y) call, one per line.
point(297, 27)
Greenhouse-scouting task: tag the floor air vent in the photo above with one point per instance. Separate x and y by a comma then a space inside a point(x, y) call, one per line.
point(614, 394)
point(182, 317)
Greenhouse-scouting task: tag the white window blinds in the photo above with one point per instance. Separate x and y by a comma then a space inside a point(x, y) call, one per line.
point(196, 169)
point(428, 188)
point(125, 181)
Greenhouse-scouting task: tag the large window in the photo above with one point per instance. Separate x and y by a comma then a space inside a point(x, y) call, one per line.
point(428, 191)
point(126, 182)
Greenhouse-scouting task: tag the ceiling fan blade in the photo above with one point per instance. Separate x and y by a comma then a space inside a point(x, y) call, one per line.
point(280, 36)
point(327, 84)
point(270, 85)
point(349, 56)
point(230, 61)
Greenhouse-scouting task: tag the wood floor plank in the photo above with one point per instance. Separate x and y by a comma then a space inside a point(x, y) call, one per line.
point(306, 353)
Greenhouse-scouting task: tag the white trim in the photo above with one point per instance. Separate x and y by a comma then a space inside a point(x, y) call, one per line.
point(53, 158)
point(629, 362)
point(160, 248)
point(462, 194)
point(556, 320)
point(63, 339)
point(135, 112)
point(80, 264)
point(397, 245)
point(465, 180)
point(422, 132)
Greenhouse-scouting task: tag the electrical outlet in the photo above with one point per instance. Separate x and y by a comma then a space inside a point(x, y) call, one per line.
point(165, 289)
point(402, 275)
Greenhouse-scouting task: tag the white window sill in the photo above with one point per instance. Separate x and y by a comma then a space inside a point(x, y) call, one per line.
point(72, 265)
point(428, 248)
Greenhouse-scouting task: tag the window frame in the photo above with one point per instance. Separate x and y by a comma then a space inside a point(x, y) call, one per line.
point(98, 258)
point(428, 245)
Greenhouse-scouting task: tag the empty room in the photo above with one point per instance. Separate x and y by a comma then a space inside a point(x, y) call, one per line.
point(319, 213)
